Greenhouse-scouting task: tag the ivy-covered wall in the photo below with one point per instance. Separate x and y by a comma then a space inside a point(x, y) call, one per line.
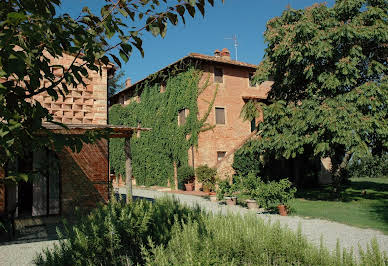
point(155, 151)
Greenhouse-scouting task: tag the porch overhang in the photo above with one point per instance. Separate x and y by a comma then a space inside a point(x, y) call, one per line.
point(115, 131)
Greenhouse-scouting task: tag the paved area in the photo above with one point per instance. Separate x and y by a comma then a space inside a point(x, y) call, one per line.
point(313, 229)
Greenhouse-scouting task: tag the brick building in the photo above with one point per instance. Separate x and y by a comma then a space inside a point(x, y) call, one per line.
point(233, 79)
point(67, 179)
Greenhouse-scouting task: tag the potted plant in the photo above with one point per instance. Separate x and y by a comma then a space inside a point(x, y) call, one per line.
point(249, 185)
point(207, 176)
point(213, 196)
point(186, 176)
point(226, 191)
point(283, 193)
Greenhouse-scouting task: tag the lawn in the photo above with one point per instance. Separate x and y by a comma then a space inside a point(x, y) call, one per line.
point(365, 210)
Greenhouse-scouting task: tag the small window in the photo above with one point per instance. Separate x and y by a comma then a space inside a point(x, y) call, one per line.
point(218, 75)
point(182, 114)
point(253, 124)
point(220, 155)
point(251, 79)
point(220, 115)
point(121, 99)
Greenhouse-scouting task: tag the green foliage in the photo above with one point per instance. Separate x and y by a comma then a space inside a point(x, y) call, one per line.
point(206, 175)
point(247, 160)
point(370, 166)
point(330, 88)
point(115, 84)
point(155, 151)
point(115, 234)
point(267, 194)
point(186, 174)
point(32, 33)
point(236, 240)
point(225, 189)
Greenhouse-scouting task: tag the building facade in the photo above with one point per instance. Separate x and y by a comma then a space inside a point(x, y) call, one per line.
point(67, 179)
point(233, 82)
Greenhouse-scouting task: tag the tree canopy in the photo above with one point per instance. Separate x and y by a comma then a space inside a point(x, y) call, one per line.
point(31, 32)
point(330, 90)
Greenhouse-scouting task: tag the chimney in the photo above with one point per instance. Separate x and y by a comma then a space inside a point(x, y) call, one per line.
point(225, 54)
point(217, 53)
point(127, 82)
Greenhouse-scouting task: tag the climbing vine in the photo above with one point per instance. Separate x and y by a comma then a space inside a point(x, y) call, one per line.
point(156, 151)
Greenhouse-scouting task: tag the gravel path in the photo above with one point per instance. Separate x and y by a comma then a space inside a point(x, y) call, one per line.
point(313, 229)
point(22, 254)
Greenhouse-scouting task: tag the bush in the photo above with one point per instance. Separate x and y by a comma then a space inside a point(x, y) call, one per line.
point(372, 166)
point(186, 174)
point(236, 240)
point(206, 175)
point(115, 234)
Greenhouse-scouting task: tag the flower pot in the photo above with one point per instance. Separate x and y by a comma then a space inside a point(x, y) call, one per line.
point(189, 187)
point(213, 196)
point(252, 205)
point(282, 210)
point(206, 189)
point(231, 201)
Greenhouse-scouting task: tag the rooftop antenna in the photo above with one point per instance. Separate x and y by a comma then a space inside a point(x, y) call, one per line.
point(234, 38)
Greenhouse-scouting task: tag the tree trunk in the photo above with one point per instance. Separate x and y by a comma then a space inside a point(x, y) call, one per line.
point(128, 169)
point(175, 176)
point(337, 172)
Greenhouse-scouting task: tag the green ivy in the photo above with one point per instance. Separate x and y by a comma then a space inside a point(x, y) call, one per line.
point(155, 151)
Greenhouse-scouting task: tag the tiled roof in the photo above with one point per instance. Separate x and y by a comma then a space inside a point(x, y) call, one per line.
point(199, 57)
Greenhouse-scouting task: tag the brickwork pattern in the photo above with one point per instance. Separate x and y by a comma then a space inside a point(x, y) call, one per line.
point(83, 104)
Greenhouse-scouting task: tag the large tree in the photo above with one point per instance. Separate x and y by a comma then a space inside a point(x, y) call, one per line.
point(330, 91)
point(31, 32)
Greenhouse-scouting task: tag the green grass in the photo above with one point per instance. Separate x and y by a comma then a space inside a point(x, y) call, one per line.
point(353, 207)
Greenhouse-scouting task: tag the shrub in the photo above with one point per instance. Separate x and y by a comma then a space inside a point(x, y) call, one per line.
point(186, 174)
point(372, 166)
point(114, 233)
point(236, 240)
point(206, 175)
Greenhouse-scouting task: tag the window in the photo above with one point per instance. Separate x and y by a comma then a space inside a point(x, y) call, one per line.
point(220, 115)
point(218, 75)
point(220, 155)
point(251, 81)
point(253, 124)
point(121, 99)
point(182, 114)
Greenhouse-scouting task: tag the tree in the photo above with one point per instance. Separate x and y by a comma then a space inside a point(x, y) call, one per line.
point(330, 90)
point(114, 84)
point(31, 32)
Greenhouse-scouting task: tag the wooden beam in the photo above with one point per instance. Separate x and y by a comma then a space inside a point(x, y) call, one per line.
point(128, 168)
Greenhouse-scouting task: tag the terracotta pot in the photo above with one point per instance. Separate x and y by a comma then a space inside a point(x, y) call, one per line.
point(213, 196)
point(189, 187)
point(231, 201)
point(252, 205)
point(282, 210)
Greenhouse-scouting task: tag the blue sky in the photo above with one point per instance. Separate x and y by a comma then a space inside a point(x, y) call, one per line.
point(245, 18)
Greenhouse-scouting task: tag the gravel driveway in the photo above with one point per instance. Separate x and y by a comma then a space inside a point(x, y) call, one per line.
point(313, 229)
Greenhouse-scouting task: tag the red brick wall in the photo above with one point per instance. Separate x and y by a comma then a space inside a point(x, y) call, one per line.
point(84, 176)
point(84, 104)
point(230, 95)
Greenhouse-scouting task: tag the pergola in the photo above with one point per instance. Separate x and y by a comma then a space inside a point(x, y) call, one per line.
point(114, 131)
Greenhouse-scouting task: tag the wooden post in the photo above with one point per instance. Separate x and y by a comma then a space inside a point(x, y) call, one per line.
point(128, 168)
point(175, 176)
